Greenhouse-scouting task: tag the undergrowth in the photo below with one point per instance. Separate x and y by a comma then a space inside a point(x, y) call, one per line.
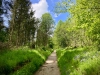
point(22, 61)
point(79, 61)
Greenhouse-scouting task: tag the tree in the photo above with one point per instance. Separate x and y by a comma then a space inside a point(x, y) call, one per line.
point(22, 24)
point(87, 18)
point(58, 34)
point(63, 34)
point(86, 21)
point(45, 30)
point(5, 7)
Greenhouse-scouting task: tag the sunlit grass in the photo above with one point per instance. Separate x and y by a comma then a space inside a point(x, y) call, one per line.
point(22, 61)
point(80, 61)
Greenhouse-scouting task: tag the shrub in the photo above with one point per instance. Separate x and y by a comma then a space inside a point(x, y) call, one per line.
point(4, 46)
point(79, 61)
point(19, 61)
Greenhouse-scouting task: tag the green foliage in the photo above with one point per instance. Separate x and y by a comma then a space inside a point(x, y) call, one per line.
point(83, 28)
point(79, 61)
point(5, 6)
point(22, 61)
point(3, 36)
point(61, 34)
point(63, 6)
point(23, 23)
point(51, 44)
point(45, 30)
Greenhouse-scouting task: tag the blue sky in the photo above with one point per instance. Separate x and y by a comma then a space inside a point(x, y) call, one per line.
point(43, 6)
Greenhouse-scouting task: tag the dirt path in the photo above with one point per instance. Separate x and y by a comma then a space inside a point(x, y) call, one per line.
point(50, 67)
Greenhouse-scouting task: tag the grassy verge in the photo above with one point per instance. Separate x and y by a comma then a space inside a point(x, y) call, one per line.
point(22, 62)
point(80, 61)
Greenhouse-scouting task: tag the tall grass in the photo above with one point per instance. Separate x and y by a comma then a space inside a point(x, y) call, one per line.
point(79, 61)
point(21, 62)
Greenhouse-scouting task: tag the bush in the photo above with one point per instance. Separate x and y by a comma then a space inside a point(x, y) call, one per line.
point(80, 61)
point(22, 62)
point(4, 46)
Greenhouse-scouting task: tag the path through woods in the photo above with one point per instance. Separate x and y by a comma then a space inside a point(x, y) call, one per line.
point(50, 67)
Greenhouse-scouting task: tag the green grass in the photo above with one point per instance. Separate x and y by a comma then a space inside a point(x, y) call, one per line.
point(22, 61)
point(80, 61)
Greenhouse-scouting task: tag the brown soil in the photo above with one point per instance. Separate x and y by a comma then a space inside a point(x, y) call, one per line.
point(50, 67)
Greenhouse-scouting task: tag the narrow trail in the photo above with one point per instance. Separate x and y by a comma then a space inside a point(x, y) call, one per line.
point(50, 67)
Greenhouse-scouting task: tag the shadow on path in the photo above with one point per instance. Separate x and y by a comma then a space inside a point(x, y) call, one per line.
point(50, 67)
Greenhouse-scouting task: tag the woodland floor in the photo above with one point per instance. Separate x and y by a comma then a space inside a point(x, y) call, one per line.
point(50, 67)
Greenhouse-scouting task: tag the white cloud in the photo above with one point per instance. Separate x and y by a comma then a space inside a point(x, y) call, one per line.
point(40, 8)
